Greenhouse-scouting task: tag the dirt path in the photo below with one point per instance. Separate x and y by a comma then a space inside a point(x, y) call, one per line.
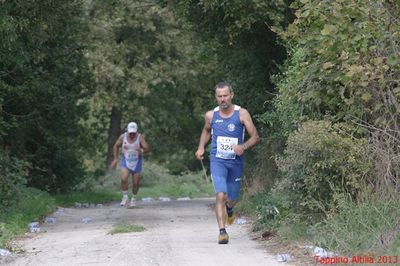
point(177, 233)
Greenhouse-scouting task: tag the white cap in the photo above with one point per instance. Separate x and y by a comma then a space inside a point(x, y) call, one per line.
point(132, 127)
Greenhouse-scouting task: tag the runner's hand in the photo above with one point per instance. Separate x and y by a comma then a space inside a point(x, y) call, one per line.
point(200, 154)
point(114, 164)
point(238, 149)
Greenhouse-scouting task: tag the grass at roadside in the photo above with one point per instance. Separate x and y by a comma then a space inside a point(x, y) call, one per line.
point(101, 196)
point(126, 228)
point(157, 182)
point(369, 226)
point(34, 205)
point(190, 185)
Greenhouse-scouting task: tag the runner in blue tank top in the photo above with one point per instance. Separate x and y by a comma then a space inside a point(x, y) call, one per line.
point(225, 126)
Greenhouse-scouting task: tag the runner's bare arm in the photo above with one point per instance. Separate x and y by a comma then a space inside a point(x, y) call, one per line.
point(205, 135)
point(145, 147)
point(250, 128)
point(116, 146)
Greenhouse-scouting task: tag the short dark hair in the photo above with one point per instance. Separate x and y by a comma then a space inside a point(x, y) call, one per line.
point(223, 84)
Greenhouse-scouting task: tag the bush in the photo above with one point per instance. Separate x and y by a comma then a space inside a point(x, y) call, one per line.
point(320, 163)
point(33, 206)
point(12, 174)
point(180, 162)
point(270, 211)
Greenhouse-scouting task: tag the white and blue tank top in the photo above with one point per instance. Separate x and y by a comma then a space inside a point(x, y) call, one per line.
point(130, 151)
point(225, 133)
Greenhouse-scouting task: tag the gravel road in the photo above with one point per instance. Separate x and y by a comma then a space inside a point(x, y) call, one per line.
point(177, 232)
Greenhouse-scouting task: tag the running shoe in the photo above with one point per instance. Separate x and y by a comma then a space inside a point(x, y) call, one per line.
point(124, 200)
point(132, 203)
point(230, 217)
point(223, 238)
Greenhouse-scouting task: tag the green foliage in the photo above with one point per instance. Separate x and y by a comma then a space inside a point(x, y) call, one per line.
point(157, 181)
point(342, 66)
point(369, 226)
point(185, 185)
point(286, 112)
point(288, 105)
point(233, 18)
point(149, 67)
point(126, 228)
point(274, 212)
point(260, 165)
point(270, 211)
point(238, 36)
point(91, 197)
point(32, 206)
point(174, 127)
point(12, 175)
point(43, 76)
point(322, 162)
point(133, 46)
point(348, 65)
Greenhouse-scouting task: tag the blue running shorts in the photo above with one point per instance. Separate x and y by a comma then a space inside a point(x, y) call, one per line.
point(138, 168)
point(227, 178)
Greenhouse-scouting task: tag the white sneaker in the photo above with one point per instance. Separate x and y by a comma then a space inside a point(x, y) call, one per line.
point(133, 202)
point(124, 200)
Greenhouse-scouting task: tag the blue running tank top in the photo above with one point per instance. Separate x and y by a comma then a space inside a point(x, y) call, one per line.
point(226, 132)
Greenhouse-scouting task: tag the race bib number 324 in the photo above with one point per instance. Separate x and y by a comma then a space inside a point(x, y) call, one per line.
point(225, 147)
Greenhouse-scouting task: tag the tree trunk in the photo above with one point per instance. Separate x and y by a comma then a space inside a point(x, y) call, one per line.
point(114, 132)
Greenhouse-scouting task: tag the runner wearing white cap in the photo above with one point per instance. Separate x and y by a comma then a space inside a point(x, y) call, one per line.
point(133, 146)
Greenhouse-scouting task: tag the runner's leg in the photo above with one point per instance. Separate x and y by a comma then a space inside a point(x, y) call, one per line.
point(124, 174)
point(136, 177)
point(220, 209)
point(219, 174)
point(234, 180)
point(135, 183)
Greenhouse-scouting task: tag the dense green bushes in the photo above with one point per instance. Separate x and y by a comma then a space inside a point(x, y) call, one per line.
point(12, 174)
point(343, 67)
point(321, 163)
point(44, 79)
point(33, 205)
point(331, 193)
